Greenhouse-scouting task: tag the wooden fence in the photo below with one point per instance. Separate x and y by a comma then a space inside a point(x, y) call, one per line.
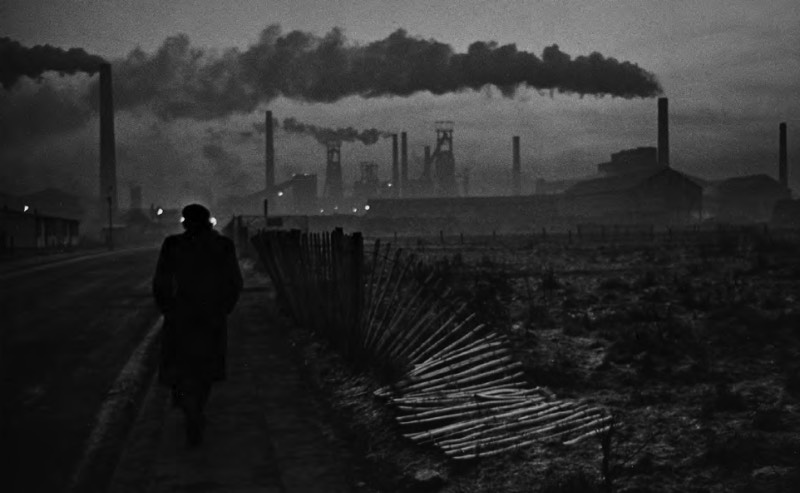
point(450, 377)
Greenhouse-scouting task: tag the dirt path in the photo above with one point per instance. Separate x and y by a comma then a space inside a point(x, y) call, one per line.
point(265, 432)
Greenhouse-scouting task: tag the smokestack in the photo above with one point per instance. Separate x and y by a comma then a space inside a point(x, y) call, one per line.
point(663, 132)
point(426, 172)
point(395, 168)
point(269, 153)
point(516, 185)
point(783, 171)
point(136, 198)
point(108, 159)
point(404, 163)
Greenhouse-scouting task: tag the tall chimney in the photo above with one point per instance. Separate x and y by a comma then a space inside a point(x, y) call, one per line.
point(108, 159)
point(395, 168)
point(404, 163)
point(136, 197)
point(426, 172)
point(516, 185)
point(269, 153)
point(782, 166)
point(663, 132)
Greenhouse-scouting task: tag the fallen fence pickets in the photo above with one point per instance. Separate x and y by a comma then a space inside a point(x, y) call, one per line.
point(452, 380)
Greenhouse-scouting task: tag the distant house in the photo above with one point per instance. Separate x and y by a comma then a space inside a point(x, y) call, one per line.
point(57, 203)
point(552, 187)
point(20, 229)
point(460, 214)
point(656, 195)
point(39, 221)
point(630, 161)
point(745, 199)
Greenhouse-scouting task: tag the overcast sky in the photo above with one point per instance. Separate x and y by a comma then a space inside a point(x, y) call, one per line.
point(731, 69)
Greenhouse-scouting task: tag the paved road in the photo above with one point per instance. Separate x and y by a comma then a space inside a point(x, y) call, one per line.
point(66, 330)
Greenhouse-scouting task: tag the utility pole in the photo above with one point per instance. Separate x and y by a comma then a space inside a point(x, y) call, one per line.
point(110, 223)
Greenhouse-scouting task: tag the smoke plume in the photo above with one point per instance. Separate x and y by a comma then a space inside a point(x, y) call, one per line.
point(181, 81)
point(18, 61)
point(324, 135)
point(226, 167)
point(33, 113)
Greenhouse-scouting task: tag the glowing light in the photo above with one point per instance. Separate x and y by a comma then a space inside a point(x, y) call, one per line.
point(182, 219)
point(25, 209)
point(390, 185)
point(213, 221)
point(366, 207)
point(322, 211)
point(280, 193)
point(159, 211)
point(355, 209)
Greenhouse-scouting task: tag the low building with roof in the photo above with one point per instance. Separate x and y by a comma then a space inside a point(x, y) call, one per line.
point(744, 199)
point(657, 195)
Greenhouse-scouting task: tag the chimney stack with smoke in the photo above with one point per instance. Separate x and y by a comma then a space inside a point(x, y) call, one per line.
point(516, 185)
point(783, 171)
point(395, 167)
point(403, 163)
point(108, 159)
point(426, 171)
point(269, 153)
point(663, 132)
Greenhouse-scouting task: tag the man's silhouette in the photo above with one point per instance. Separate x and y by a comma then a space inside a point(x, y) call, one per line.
point(196, 285)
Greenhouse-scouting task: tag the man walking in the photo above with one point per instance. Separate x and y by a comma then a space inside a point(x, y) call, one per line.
point(196, 285)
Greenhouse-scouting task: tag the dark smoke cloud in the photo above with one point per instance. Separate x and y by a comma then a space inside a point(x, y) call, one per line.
point(324, 135)
point(181, 81)
point(226, 167)
point(17, 61)
point(32, 114)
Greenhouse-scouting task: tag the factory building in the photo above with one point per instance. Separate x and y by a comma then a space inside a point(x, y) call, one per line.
point(744, 199)
point(49, 219)
point(453, 215)
point(658, 195)
point(786, 214)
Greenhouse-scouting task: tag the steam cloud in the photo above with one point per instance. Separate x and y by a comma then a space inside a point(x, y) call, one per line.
point(17, 61)
point(181, 81)
point(324, 135)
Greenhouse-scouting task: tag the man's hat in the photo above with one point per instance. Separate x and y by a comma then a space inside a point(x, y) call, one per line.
point(196, 214)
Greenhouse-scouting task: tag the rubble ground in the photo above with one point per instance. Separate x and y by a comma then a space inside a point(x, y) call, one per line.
point(694, 348)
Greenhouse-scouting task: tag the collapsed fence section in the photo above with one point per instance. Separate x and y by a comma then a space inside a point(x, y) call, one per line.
point(451, 378)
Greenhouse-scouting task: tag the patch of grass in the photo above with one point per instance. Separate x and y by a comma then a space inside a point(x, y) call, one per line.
point(548, 282)
point(768, 419)
point(791, 379)
point(734, 450)
point(614, 284)
point(647, 279)
point(570, 482)
point(721, 399)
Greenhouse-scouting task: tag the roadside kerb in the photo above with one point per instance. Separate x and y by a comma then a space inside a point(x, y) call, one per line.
point(116, 417)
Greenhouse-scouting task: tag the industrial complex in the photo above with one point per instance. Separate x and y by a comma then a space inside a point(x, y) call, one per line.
point(635, 186)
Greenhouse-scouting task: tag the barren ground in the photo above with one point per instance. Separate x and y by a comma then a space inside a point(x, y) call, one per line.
point(694, 348)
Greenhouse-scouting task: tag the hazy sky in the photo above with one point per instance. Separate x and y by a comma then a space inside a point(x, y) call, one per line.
point(731, 69)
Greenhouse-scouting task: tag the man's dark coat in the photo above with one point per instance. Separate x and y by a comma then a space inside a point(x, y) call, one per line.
point(196, 285)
